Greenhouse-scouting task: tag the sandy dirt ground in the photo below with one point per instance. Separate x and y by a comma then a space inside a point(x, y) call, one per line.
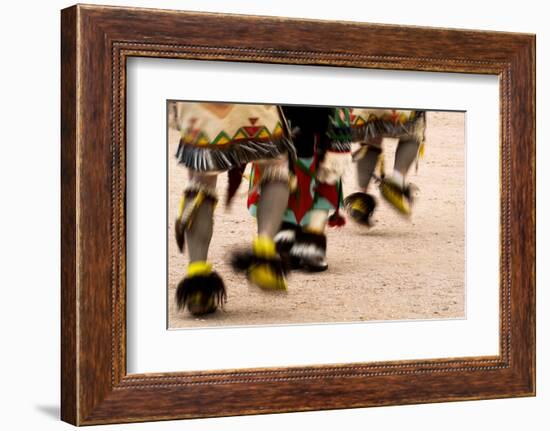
point(399, 269)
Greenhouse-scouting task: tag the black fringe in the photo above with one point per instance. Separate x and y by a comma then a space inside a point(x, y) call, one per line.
point(340, 147)
point(242, 260)
point(368, 203)
point(316, 240)
point(234, 180)
point(414, 128)
point(309, 252)
point(283, 245)
point(308, 249)
point(210, 287)
point(180, 234)
point(221, 158)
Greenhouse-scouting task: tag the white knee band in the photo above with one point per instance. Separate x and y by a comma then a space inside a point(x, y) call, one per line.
point(274, 170)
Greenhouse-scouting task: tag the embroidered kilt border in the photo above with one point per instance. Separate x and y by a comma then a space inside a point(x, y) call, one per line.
point(369, 124)
point(217, 142)
point(315, 131)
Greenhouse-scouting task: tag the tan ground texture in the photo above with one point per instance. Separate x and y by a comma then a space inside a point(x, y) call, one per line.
point(398, 269)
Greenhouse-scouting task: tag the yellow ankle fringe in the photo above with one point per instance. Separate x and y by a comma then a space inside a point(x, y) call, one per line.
point(199, 267)
point(263, 246)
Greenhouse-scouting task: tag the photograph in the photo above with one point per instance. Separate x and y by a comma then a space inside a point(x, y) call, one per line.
point(299, 214)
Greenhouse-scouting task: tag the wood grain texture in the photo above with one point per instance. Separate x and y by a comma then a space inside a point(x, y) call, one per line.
point(96, 41)
point(69, 397)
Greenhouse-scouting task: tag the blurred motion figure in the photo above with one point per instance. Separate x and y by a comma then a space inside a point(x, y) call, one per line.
point(370, 127)
point(322, 138)
point(218, 137)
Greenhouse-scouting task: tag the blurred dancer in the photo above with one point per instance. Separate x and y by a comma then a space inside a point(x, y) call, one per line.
point(217, 137)
point(370, 127)
point(322, 140)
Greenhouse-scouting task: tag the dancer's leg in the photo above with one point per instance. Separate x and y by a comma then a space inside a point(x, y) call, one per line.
point(273, 197)
point(202, 290)
point(405, 155)
point(360, 206)
point(263, 266)
point(199, 232)
point(367, 164)
point(395, 189)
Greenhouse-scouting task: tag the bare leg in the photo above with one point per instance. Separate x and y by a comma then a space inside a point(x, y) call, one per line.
point(273, 198)
point(199, 233)
point(202, 290)
point(405, 155)
point(263, 266)
point(360, 206)
point(394, 189)
point(366, 167)
point(271, 207)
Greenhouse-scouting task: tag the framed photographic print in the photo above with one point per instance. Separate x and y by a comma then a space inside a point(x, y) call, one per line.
point(283, 215)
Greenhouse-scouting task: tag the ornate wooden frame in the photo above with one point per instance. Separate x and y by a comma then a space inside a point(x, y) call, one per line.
point(95, 43)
